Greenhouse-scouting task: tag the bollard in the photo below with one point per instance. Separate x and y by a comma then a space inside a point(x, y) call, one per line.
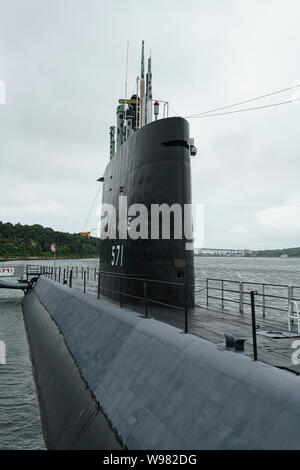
point(59, 272)
point(84, 282)
point(253, 293)
point(70, 280)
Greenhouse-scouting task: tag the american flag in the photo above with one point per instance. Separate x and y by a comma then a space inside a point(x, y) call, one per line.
point(53, 247)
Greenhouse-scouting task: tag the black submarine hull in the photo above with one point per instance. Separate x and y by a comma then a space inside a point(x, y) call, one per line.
point(151, 167)
point(109, 379)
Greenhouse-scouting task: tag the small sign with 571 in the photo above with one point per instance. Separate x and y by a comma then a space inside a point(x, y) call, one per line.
point(6, 271)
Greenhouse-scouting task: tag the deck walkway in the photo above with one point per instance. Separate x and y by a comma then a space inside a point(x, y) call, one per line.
point(211, 324)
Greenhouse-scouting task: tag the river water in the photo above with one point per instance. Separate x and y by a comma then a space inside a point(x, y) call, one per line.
point(19, 412)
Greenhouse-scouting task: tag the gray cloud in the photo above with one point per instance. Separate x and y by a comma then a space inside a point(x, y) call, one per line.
point(64, 66)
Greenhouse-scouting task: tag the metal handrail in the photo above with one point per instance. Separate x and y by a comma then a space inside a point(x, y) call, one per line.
point(69, 276)
point(267, 297)
point(248, 282)
point(212, 286)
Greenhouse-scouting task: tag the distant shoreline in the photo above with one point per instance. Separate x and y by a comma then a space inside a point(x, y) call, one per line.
point(248, 256)
point(49, 258)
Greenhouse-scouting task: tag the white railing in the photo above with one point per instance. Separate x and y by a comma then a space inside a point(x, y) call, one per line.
point(224, 294)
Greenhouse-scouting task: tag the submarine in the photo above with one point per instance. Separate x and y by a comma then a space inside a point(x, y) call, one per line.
point(108, 378)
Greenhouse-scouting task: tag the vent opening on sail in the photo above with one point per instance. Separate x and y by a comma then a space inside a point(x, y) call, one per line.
point(176, 143)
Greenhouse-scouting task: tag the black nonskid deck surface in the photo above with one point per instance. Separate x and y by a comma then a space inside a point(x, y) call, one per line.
point(211, 324)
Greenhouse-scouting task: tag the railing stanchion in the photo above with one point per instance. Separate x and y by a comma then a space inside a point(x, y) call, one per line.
point(290, 297)
point(241, 297)
point(99, 285)
point(253, 293)
point(207, 292)
point(145, 298)
point(186, 310)
point(222, 294)
point(264, 301)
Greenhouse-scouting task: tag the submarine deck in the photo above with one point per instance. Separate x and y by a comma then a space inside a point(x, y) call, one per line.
point(212, 323)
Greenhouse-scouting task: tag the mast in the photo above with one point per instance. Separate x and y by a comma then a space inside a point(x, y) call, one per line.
point(142, 89)
point(112, 131)
point(135, 112)
point(148, 112)
point(137, 104)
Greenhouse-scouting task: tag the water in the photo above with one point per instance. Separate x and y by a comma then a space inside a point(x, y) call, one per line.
point(265, 270)
point(279, 271)
point(19, 413)
point(20, 426)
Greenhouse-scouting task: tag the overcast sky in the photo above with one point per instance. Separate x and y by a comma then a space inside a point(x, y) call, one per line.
point(63, 62)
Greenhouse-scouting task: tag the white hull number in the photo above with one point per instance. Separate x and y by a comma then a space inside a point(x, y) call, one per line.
point(117, 255)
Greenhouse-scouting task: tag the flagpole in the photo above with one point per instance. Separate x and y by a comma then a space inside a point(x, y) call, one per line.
point(53, 249)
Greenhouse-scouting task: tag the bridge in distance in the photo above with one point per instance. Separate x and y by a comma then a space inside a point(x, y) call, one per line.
point(220, 251)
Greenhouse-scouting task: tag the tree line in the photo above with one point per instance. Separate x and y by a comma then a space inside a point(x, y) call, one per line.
point(34, 241)
point(291, 252)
